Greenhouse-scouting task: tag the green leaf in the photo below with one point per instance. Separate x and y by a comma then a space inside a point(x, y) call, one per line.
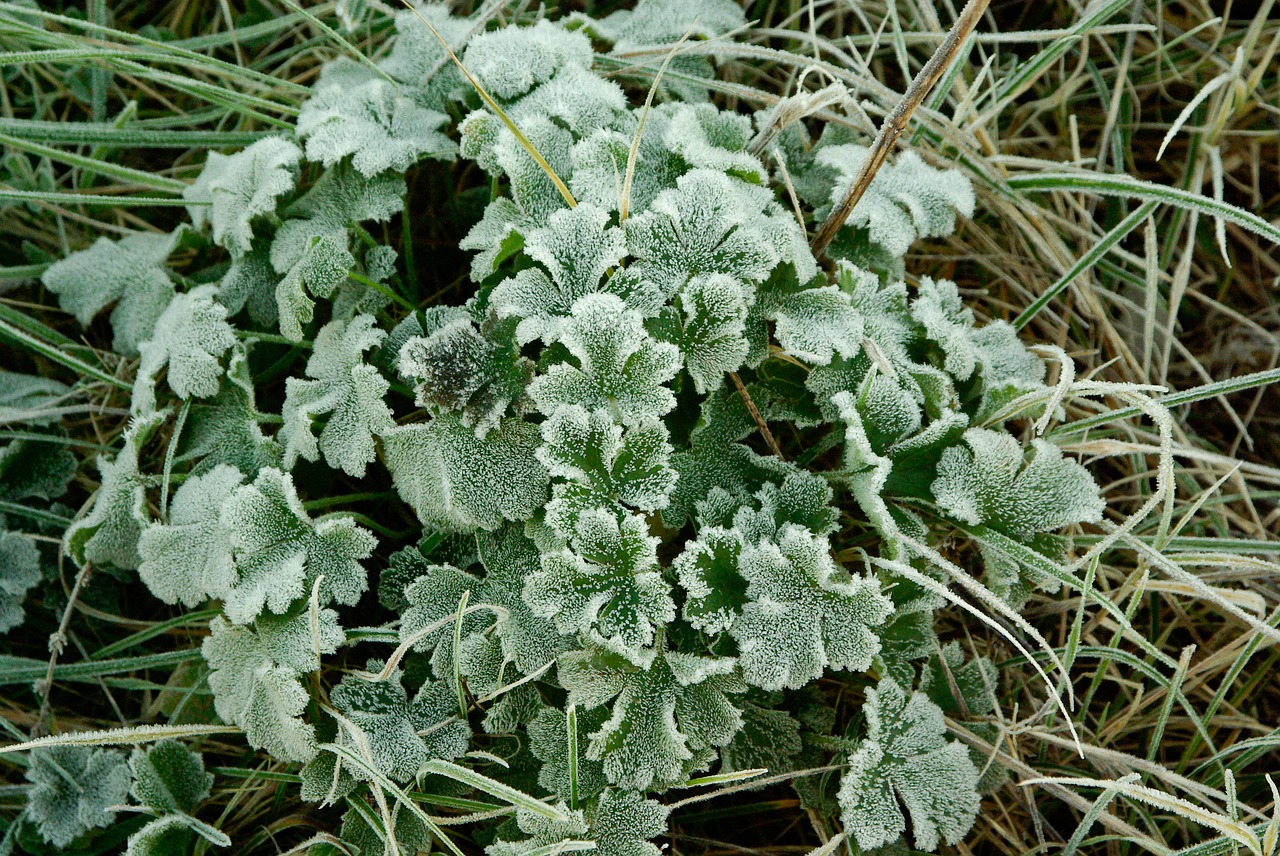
point(804, 614)
point(708, 224)
point(614, 364)
point(708, 572)
point(189, 559)
point(72, 788)
point(225, 430)
point(668, 715)
point(993, 482)
point(280, 551)
point(254, 692)
point(607, 588)
point(234, 190)
point(344, 387)
point(169, 777)
point(596, 464)
point(456, 481)
point(906, 761)
point(549, 742)
point(355, 113)
point(130, 272)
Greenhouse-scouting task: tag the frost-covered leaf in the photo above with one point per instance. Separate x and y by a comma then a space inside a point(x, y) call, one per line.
point(510, 558)
point(549, 742)
point(575, 249)
point(708, 572)
point(509, 62)
point(712, 331)
point(459, 368)
point(457, 481)
point(621, 824)
point(993, 483)
point(705, 137)
point(344, 387)
point(906, 761)
point(225, 430)
point(418, 59)
point(190, 338)
point(804, 614)
point(769, 739)
point(715, 458)
point(390, 723)
point(29, 398)
point(655, 22)
point(19, 571)
point(311, 249)
point(298, 638)
point(109, 532)
point(614, 364)
point(600, 163)
point(255, 693)
point(813, 323)
point(667, 718)
point(189, 558)
point(169, 777)
point(233, 190)
point(72, 788)
point(131, 271)
point(576, 98)
point(708, 224)
point(949, 323)
point(598, 464)
point(381, 126)
point(280, 551)
point(608, 587)
point(906, 200)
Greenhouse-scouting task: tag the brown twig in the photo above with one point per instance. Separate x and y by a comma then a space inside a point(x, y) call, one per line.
point(896, 122)
point(755, 414)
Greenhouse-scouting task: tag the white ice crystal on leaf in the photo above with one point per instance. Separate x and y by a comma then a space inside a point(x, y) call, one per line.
point(234, 190)
point(340, 384)
point(905, 761)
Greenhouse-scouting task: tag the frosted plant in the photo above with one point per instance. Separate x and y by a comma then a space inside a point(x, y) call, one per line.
point(340, 385)
point(72, 789)
point(613, 364)
point(455, 480)
point(130, 272)
point(655, 487)
point(234, 190)
point(607, 587)
point(189, 558)
point(280, 552)
point(907, 200)
point(19, 572)
point(109, 533)
point(380, 127)
point(906, 761)
point(190, 338)
point(667, 715)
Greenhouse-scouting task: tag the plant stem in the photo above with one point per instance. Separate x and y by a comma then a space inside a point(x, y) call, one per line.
point(896, 122)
